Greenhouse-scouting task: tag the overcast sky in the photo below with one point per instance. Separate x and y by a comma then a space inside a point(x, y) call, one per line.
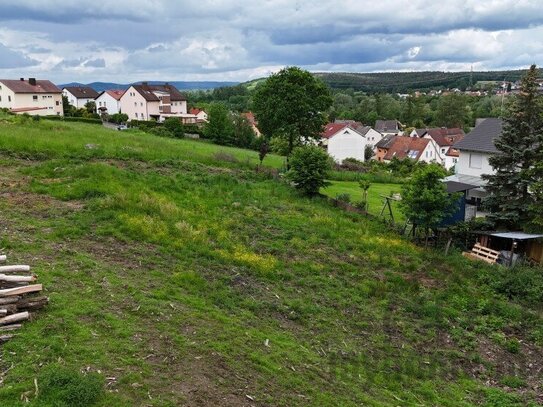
point(130, 40)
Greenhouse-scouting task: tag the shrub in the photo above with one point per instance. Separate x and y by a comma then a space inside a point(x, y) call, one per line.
point(159, 131)
point(88, 120)
point(60, 386)
point(118, 118)
point(175, 127)
point(344, 198)
point(309, 167)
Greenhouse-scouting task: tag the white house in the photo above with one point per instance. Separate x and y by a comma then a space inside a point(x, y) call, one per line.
point(201, 115)
point(473, 161)
point(155, 102)
point(79, 96)
point(109, 101)
point(32, 96)
point(343, 141)
point(444, 138)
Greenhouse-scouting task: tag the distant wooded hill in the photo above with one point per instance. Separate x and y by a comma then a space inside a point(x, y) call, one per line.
point(405, 82)
point(182, 85)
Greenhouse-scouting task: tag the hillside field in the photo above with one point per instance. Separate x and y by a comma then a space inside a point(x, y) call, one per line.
point(179, 276)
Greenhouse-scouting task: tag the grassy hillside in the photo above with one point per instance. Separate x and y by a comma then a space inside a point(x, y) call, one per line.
point(179, 276)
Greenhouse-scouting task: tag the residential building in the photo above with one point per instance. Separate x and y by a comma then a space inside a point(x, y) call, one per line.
point(444, 138)
point(389, 127)
point(32, 96)
point(475, 149)
point(155, 102)
point(346, 140)
point(201, 115)
point(79, 96)
point(109, 102)
point(401, 147)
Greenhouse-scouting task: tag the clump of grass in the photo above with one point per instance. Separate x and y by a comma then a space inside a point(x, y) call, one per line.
point(60, 386)
point(222, 156)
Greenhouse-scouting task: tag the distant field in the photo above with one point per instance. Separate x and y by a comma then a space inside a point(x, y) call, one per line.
point(375, 199)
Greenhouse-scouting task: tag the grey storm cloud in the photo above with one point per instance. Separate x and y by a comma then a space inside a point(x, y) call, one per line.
point(222, 37)
point(13, 59)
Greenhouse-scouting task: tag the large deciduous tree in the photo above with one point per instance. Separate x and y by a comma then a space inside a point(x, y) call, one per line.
point(516, 165)
point(292, 105)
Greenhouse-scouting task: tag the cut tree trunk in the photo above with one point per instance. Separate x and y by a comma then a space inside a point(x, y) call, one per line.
point(17, 279)
point(14, 268)
point(21, 316)
point(20, 290)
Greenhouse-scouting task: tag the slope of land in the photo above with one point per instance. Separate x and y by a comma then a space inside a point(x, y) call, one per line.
point(183, 277)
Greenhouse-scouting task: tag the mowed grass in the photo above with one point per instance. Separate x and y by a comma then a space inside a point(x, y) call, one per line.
point(375, 196)
point(187, 280)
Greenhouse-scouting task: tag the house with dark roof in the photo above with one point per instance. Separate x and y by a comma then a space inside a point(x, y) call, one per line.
point(79, 96)
point(155, 102)
point(474, 151)
point(109, 101)
point(388, 127)
point(32, 96)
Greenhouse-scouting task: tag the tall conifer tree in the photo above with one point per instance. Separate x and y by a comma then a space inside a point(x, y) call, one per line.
point(511, 186)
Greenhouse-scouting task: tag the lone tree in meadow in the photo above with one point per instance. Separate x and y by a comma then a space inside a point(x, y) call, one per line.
point(309, 168)
point(425, 200)
point(516, 166)
point(291, 105)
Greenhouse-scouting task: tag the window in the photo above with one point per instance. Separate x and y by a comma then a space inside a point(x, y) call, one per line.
point(58, 103)
point(141, 103)
point(475, 161)
point(442, 151)
point(135, 103)
point(0, 98)
point(9, 98)
point(142, 115)
point(136, 115)
point(35, 98)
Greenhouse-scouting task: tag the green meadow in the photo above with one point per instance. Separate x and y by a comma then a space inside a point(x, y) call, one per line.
point(178, 275)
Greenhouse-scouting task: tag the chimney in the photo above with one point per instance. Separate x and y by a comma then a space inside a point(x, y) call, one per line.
point(22, 79)
point(32, 81)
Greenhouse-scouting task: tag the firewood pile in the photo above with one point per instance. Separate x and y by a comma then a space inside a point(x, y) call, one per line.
point(18, 297)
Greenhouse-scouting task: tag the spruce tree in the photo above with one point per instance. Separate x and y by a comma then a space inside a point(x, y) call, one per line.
point(511, 186)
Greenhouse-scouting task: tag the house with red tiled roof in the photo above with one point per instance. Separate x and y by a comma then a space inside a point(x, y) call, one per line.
point(109, 101)
point(155, 102)
point(444, 138)
point(348, 139)
point(201, 115)
point(402, 147)
point(32, 96)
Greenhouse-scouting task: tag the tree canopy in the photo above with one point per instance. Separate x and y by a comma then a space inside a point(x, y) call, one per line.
point(425, 201)
point(292, 105)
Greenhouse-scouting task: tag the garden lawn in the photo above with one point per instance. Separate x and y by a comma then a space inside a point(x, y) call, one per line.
point(177, 277)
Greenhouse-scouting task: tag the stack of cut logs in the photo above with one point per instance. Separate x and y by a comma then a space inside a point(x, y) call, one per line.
point(18, 296)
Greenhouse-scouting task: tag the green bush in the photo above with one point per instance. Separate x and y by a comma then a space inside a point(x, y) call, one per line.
point(344, 198)
point(309, 167)
point(175, 127)
point(60, 386)
point(118, 118)
point(524, 284)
